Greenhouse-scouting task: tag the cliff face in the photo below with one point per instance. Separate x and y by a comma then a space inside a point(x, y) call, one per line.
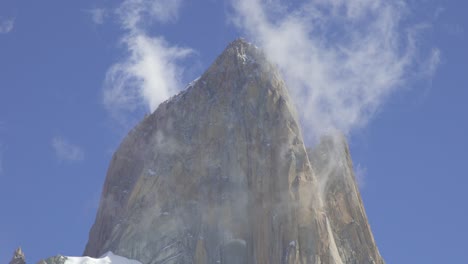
point(220, 174)
point(332, 164)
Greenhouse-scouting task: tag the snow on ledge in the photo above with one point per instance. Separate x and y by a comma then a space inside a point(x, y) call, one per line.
point(108, 258)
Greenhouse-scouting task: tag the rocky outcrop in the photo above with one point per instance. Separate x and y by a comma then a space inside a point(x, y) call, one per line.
point(220, 174)
point(18, 257)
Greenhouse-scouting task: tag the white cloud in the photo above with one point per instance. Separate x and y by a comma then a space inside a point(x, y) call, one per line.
point(340, 58)
point(151, 71)
point(6, 25)
point(148, 76)
point(98, 15)
point(66, 151)
point(133, 13)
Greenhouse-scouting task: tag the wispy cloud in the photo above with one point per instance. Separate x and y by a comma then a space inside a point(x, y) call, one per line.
point(1, 161)
point(2, 126)
point(341, 59)
point(137, 14)
point(360, 172)
point(151, 72)
point(6, 25)
point(98, 15)
point(148, 76)
point(432, 63)
point(66, 151)
point(455, 30)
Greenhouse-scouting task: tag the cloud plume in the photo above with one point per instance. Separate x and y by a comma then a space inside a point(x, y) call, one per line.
point(340, 58)
point(151, 70)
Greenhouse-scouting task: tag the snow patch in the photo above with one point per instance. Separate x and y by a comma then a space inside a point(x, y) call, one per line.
point(239, 242)
point(245, 58)
point(181, 94)
point(108, 258)
point(192, 83)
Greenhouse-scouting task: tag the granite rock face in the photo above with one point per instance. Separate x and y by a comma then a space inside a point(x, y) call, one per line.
point(343, 205)
point(220, 174)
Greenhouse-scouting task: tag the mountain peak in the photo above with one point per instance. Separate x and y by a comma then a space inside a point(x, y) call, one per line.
point(239, 42)
point(240, 62)
point(220, 174)
point(18, 257)
point(242, 51)
point(242, 45)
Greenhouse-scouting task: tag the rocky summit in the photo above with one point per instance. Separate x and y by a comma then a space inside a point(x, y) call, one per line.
point(18, 257)
point(220, 174)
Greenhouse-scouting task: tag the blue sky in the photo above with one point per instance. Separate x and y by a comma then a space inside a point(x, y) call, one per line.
point(62, 114)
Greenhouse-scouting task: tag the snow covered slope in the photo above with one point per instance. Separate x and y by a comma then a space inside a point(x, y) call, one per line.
point(108, 258)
